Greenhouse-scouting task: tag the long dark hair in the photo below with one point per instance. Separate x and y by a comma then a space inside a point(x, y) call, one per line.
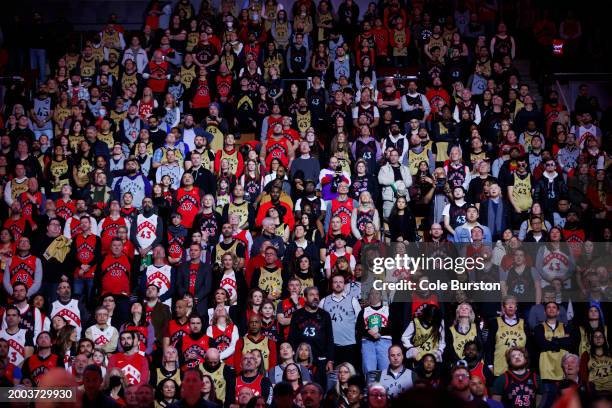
point(212, 396)
point(159, 391)
point(297, 366)
point(433, 317)
point(143, 317)
point(605, 346)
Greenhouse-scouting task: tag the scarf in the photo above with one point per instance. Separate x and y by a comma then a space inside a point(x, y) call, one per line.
point(58, 249)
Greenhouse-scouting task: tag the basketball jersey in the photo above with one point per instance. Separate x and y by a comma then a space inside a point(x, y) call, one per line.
point(22, 270)
point(600, 372)
point(160, 276)
point(221, 250)
point(109, 229)
point(70, 312)
point(127, 80)
point(199, 347)
point(520, 391)
point(230, 284)
point(507, 336)
point(85, 254)
point(344, 210)
point(177, 331)
point(188, 74)
point(270, 281)
point(232, 160)
point(102, 337)
point(218, 380)
point(146, 230)
point(343, 317)
point(116, 275)
point(456, 175)
point(521, 191)
point(263, 346)
point(188, 205)
point(16, 344)
point(36, 367)
point(521, 285)
point(172, 375)
point(459, 339)
point(254, 385)
point(18, 187)
point(550, 361)
point(415, 158)
point(277, 149)
point(457, 214)
point(175, 245)
point(88, 69)
point(424, 339)
point(221, 339)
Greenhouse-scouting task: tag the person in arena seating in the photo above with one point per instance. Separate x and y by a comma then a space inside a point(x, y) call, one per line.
point(103, 335)
point(518, 384)
point(134, 365)
point(312, 325)
point(74, 311)
point(193, 346)
point(255, 340)
point(195, 278)
point(222, 375)
point(20, 341)
point(32, 318)
point(86, 250)
point(211, 177)
point(35, 366)
point(250, 378)
point(24, 267)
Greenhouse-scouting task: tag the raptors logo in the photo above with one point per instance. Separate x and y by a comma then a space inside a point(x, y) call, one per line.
point(101, 340)
point(187, 203)
point(117, 269)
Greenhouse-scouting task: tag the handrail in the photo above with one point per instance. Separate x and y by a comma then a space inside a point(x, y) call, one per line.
point(560, 90)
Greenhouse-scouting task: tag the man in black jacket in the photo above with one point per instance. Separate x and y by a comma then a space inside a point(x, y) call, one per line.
point(195, 278)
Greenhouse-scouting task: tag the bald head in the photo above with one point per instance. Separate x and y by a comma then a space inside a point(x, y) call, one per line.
point(212, 356)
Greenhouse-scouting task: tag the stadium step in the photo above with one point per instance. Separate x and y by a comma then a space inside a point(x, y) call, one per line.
point(524, 67)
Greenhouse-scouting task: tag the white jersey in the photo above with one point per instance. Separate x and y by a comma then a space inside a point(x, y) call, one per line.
point(17, 344)
point(32, 320)
point(70, 312)
point(160, 276)
point(42, 109)
point(102, 337)
point(146, 229)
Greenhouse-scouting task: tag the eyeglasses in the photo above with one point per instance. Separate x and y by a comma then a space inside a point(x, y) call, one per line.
point(550, 164)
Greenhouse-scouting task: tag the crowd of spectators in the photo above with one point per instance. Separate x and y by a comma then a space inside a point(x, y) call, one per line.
point(188, 209)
